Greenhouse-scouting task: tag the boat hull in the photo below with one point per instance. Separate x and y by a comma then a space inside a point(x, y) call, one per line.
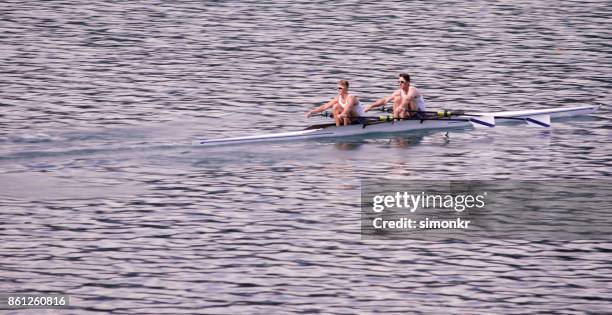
point(397, 126)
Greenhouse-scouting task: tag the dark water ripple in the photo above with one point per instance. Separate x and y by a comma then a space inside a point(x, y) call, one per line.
point(103, 197)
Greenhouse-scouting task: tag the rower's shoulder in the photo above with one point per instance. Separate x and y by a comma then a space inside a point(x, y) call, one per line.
point(414, 90)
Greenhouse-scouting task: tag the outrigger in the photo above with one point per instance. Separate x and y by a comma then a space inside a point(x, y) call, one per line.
point(433, 120)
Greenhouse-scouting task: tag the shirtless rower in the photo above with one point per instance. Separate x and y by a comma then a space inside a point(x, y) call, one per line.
point(346, 108)
point(407, 100)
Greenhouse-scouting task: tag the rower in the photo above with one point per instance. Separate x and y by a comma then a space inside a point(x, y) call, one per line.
point(346, 108)
point(407, 100)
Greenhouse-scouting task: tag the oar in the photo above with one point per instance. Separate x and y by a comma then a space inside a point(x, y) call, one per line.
point(477, 121)
point(440, 113)
point(535, 120)
point(482, 121)
point(538, 121)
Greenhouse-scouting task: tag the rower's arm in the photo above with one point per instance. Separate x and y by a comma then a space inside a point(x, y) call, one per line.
point(321, 108)
point(380, 102)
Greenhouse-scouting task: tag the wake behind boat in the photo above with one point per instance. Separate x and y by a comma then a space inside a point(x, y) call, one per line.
point(433, 120)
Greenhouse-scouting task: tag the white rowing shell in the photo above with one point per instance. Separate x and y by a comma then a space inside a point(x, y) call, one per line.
point(540, 117)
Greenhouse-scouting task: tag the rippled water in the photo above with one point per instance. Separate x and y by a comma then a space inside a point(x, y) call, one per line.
point(104, 198)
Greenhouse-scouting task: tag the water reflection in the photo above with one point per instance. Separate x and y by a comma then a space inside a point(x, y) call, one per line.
point(406, 142)
point(347, 145)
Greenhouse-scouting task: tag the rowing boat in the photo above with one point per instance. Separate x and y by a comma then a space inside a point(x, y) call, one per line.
point(539, 118)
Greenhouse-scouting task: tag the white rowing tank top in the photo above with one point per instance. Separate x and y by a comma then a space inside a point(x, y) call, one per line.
point(358, 107)
point(420, 102)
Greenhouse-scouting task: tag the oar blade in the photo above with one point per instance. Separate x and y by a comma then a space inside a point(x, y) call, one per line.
point(538, 121)
point(483, 121)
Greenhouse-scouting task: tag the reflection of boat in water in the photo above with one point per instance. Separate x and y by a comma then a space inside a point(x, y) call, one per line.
point(347, 146)
point(401, 141)
point(441, 120)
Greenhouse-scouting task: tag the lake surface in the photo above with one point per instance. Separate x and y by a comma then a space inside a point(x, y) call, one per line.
point(104, 198)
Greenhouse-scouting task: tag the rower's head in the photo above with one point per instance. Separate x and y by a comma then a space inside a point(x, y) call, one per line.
point(404, 79)
point(342, 86)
